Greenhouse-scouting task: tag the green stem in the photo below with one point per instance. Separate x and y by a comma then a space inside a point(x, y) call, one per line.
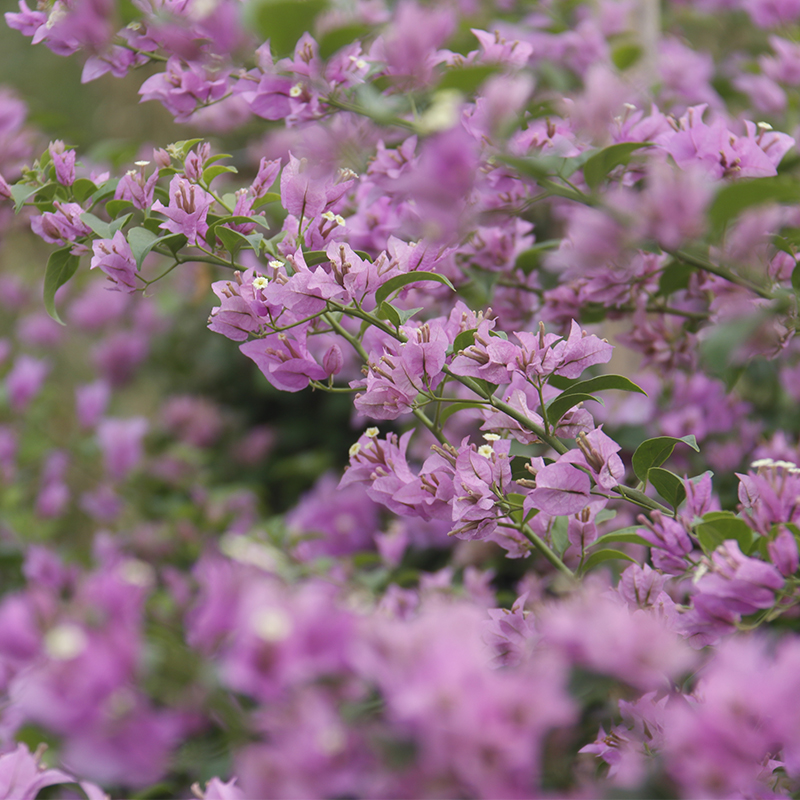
point(640, 499)
point(526, 531)
point(721, 272)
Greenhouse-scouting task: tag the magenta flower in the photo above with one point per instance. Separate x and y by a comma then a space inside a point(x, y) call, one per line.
point(114, 257)
point(187, 210)
point(121, 443)
point(25, 380)
point(63, 161)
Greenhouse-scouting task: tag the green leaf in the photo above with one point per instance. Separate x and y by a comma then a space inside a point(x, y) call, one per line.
point(283, 22)
point(627, 535)
point(399, 281)
point(603, 382)
point(182, 147)
point(796, 278)
point(113, 207)
point(528, 260)
point(314, 257)
point(397, 316)
point(718, 527)
point(668, 485)
point(455, 407)
point(599, 556)
point(546, 166)
point(733, 198)
point(334, 40)
point(60, 268)
point(389, 312)
point(559, 406)
point(626, 55)
point(654, 452)
point(22, 192)
point(232, 240)
point(141, 241)
point(596, 168)
point(102, 229)
point(467, 79)
point(464, 340)
point(269, 197)
point(559, 536)
point(82, 188)
point(674, 277)
point(218, 169)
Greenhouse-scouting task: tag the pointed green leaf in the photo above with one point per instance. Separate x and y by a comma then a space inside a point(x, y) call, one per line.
point(269, 197)
point(464, 340)
point(564, 402)
point(389, 312)
point(141, 241)
point(654, 452)
point(22, 192)
point(599, 556)
point(668, 485)
point(232, 240)
point(399, 281)
point(735, 197)
point(60, 268)
point(455, 407)
point(218, 169)
point(334, 40)
point(113, 207)
point(627, 535)
point(604, 161)
point(467, 79)
point(102, 229)
point(283, 22)
point(603, 382)
point(716, 526)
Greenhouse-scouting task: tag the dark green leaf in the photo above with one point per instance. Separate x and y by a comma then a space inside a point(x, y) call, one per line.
point(399, 281)
point(314, 257)
point(654, 452)
point(717, 525)
point(334, 40)
point(627, 535)
point(674, 277)
point(467, 79)
point(464, 340)
point(668, 485)
point(283, 22)
point(528, 260)
point(454, 407)
point(389, 312)
point(60, 268)
point(546, 166)
point(796, 278)
point(603, 382)
point(599, 556)
point(596, 168)
point(626, 55)
point(141, 241)
point(232, 240)
point(733, 198)
point(113, 207)
point(269, 197)
point(564, 402)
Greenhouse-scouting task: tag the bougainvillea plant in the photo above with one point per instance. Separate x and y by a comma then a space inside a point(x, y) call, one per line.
point(543, 259)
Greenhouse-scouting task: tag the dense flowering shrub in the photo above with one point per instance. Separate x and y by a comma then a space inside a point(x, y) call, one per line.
point(534, 575)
